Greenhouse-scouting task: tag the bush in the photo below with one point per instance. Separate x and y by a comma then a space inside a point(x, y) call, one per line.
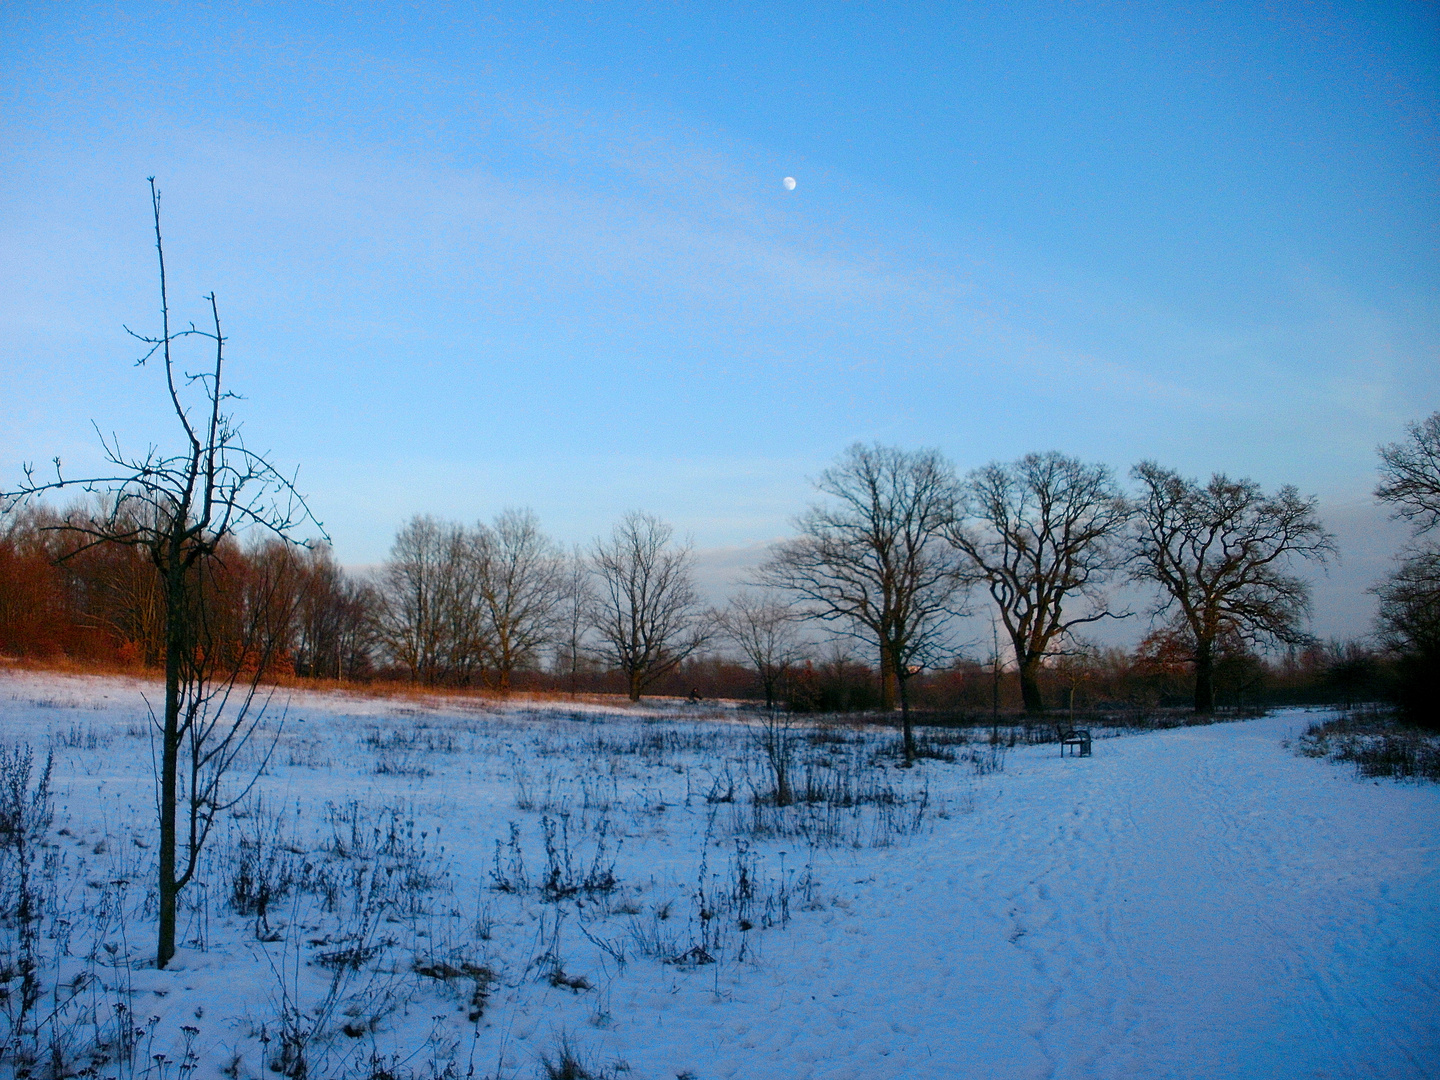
point(1378, 743)
point(26, 813)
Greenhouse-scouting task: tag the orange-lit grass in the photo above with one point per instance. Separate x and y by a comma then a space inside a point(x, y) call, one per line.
point(395, 689)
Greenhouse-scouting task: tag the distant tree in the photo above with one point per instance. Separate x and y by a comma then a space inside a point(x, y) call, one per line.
point(1042, 532)
point(1219, 552)
point(873, 563)
point(1351, 671)
point(1239, 672)
point(522, 584)
point(646, 614)
point(35, 617)
point(257, 594)
point(432, 617)
point(182, 509)
point(411, 621)
point(335, 617)
point(1075, 671)
point(834, 680)
point(1164, 663)
point(764, 630)
point(113, 589)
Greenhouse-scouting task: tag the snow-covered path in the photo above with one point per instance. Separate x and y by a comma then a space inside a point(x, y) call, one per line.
point(1201, 900)
point(1195, 903)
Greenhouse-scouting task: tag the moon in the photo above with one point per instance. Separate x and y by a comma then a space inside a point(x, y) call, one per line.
point(789, 183)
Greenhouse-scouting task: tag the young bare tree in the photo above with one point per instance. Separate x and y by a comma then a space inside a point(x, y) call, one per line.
point(873, 563)
point(577, 607)
point(181, 507)
point(1219, 552)
point(647, 613)
point(1043, 532)
point(522, 583)
point(765, 631)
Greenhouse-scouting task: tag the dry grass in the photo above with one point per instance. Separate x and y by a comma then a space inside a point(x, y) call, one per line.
point(377, 689)
point(67, 665)
point(1377, 743)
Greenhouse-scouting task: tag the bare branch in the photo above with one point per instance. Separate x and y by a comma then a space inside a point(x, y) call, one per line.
point(1411, 475)
point(764, 630)
point(873, 561)
point(181, 507)
point(1218, 553)
point(1043, 532)
point(647, 613)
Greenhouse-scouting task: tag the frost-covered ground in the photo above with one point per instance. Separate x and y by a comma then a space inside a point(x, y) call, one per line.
point(413, 889)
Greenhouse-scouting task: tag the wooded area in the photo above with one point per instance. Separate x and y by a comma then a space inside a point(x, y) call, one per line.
point(102, 606)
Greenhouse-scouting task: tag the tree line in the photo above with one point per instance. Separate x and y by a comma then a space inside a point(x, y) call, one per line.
point(895, 551)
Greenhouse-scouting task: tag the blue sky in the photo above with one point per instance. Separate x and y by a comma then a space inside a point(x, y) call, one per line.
point(472, 256)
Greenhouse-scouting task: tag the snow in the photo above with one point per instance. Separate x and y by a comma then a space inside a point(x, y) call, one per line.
point(1193, 902)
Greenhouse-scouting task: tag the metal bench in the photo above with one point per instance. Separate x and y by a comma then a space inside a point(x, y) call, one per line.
point(1078, 738)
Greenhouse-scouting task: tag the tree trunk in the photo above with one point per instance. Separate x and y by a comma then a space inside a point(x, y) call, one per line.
point(1204, 676)
point(994, 700)
point(636, 684)
point(175, 644)
point(887, 681)
point(909, 733)
point(1030, 685)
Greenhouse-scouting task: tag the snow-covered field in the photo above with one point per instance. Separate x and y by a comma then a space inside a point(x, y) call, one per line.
point(412, 889)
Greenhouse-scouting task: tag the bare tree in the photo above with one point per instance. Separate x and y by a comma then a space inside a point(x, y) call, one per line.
point(873, 563)
point(181, 507)
point(1409, 625)
point(1411, 475)
point(1219, 552)
point(455, 601)
point(1409, 615)
point(1043, 532)
point(432, 617)
point(522, 582)
point(465, 630)
point(411, 624)
point(764, 630)
point(647, 613)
